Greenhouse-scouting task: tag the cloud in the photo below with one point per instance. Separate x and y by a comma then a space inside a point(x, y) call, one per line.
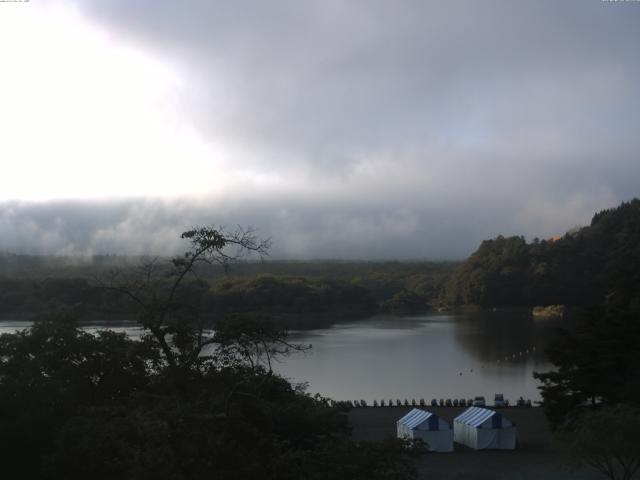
point(299, 230)
point(349, 129)
point(320, 81)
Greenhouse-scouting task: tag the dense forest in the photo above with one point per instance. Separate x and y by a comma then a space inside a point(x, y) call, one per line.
point(32, 285)
point(593, 391)
point(578, 269)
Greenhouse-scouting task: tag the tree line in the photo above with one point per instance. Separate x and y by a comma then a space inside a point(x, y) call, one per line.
point(293, 290)
point(592, 396)
point(578, 269)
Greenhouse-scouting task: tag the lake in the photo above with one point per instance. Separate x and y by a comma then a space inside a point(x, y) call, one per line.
point(457, 355)
point(427, 356)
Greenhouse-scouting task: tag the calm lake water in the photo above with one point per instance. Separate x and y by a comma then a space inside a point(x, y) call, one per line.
point(427, 356)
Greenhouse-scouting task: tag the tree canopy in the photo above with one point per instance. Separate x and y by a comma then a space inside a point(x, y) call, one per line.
point(580, 268)
point(595, 364)
point(606, 440)
point(183, 402)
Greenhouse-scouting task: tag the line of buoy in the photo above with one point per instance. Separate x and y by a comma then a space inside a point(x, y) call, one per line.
point(521, 402)
point(521, 353)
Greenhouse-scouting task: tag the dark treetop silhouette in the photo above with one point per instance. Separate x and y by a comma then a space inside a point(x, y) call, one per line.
point(182, 403)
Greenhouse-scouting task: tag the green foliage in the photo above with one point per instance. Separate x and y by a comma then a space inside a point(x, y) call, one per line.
point(592, 395)
point(406, 302)
point(363, 461)
point(580, 268)
point(51, 371)
point(273, 295)
point(77, 406)
point(493, 275)
point(26, 297)
point(596, 364)
point(298, 290)
point(607, 441)
point(183, 403)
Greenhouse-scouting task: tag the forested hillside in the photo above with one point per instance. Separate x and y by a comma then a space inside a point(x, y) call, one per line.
point(580, 268)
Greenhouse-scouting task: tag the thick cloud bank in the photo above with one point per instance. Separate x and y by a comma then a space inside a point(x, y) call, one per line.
point(298, 230)
point(361, 129)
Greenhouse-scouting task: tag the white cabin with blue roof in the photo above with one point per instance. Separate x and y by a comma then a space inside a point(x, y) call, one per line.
point(484, 429)
point(428, 427)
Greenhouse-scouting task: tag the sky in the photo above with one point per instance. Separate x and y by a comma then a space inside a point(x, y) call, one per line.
point(363, 129)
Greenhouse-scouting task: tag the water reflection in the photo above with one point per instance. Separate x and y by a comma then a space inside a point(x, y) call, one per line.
point(505, 336)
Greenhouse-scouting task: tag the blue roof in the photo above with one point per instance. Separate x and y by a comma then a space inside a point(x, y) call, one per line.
point(415, 418)
point(474, 416)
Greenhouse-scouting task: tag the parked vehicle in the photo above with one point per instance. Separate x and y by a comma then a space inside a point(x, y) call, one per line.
point(498, 401)
point(479, 402)
point(434, 402)
point(447, 403)
point(455, 402)
point(463, 402)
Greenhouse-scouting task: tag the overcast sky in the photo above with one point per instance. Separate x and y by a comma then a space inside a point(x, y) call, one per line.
point(341, 129)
